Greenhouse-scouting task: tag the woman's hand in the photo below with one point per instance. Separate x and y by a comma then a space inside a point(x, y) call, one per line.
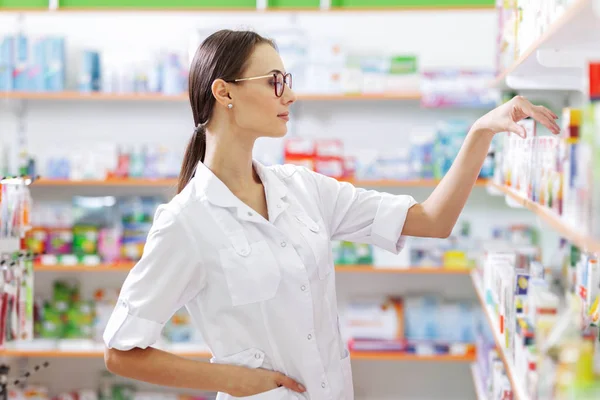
point(504, 118)
point(248, 381)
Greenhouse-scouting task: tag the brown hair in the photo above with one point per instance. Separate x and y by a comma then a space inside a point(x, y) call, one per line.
point(222, 55)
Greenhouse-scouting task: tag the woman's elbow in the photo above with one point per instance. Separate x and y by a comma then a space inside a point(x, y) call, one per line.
point(443, 233)
point(113, 360)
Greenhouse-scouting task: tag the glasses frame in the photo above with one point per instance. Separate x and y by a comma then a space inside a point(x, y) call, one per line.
point(287, 80)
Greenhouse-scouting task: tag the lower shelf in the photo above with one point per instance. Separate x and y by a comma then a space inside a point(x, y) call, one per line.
point(367, 356)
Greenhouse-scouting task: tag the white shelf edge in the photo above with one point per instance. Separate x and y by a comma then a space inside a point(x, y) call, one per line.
point(517, 387)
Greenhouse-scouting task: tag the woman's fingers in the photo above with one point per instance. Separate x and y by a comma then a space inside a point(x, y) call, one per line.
point(553, 117)
point(540, 114)
point(518, 129)
point(548, 121)
point(283, 380)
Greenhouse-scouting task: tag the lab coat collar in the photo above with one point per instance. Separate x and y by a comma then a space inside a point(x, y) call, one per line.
point(219, 194)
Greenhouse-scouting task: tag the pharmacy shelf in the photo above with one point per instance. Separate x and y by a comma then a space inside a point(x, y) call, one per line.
point(358, 356)
point(112, 267)
point(345, 269)
point(133, 182)
point(570, 233)
point(479, 391)
point(250, 10)
point(518, 389)
point(153, 97)
point(392, 356)
point(365, 269)
point(556, 60)
point(173, 183)
point(27, 353)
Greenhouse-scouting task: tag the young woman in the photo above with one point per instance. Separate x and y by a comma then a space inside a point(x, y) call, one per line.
point(246, 247)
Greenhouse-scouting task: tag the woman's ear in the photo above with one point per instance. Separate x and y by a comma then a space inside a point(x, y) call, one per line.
point(220, 89)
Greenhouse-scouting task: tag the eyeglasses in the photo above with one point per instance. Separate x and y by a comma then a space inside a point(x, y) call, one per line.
point(279, 81)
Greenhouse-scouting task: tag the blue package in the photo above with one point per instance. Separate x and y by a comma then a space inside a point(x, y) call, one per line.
point(55, 64)
point(89, 72)
point(37, 67)
point(172, 83)
point(7, 50)
point(450, 136)
point(421, 318)
point(6, 78)
point(21, 70)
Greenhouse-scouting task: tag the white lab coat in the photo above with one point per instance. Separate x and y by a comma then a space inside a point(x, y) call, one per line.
point(261, 292)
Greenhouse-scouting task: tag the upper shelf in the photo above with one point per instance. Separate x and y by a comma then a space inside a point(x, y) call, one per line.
point(125, 266)
point(571, 233)
point(244, 6)
point(172, 183)
point(77, 96)
point(557, 59)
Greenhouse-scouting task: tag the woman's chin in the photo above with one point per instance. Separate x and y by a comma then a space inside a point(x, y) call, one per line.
point(277, 133)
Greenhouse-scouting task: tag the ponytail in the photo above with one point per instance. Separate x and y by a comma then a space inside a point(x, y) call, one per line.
point(194, 153)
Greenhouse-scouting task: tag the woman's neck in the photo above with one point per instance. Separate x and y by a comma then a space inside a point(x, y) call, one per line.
point(231, 162)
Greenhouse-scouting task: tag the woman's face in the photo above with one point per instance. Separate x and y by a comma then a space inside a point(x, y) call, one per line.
point(256, 107)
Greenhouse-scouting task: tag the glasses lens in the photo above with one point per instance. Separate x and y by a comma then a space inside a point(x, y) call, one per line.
point(289, 80)
point(279, 82)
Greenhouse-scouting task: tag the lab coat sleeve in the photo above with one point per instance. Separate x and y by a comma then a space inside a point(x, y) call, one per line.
point(363, 216)
point(167, 276)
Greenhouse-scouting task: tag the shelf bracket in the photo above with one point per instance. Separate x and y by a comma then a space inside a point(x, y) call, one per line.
point(572, 59)
point(492, 191)
point(512, 203)
point(554, 81)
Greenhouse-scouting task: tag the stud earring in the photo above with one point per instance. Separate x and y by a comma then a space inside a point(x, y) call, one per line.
point(230, 106)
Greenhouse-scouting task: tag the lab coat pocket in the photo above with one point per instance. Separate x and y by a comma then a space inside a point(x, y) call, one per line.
point(250, 358)
point(347, 375)
point(251, 271)
point(315, 235)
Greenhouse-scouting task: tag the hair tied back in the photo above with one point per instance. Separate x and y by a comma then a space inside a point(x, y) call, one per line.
point(199, 128)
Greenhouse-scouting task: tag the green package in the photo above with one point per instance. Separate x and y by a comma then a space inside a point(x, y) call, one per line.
point(79, 320)
point(85, 240)
point(52, 325)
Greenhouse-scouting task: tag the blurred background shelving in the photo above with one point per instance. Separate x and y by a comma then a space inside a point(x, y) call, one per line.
point(387, 91)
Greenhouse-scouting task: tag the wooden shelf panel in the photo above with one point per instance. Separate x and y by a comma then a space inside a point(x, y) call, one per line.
point(364, 269)
point(570, 233)
point(518, 390)
point(173, 183)
point(120, 266)
point(345, 269)
point(391, 356)
point(366, 356)
point(79, 354)
point(250, 10)
point(77, 96)
point(163, 182)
